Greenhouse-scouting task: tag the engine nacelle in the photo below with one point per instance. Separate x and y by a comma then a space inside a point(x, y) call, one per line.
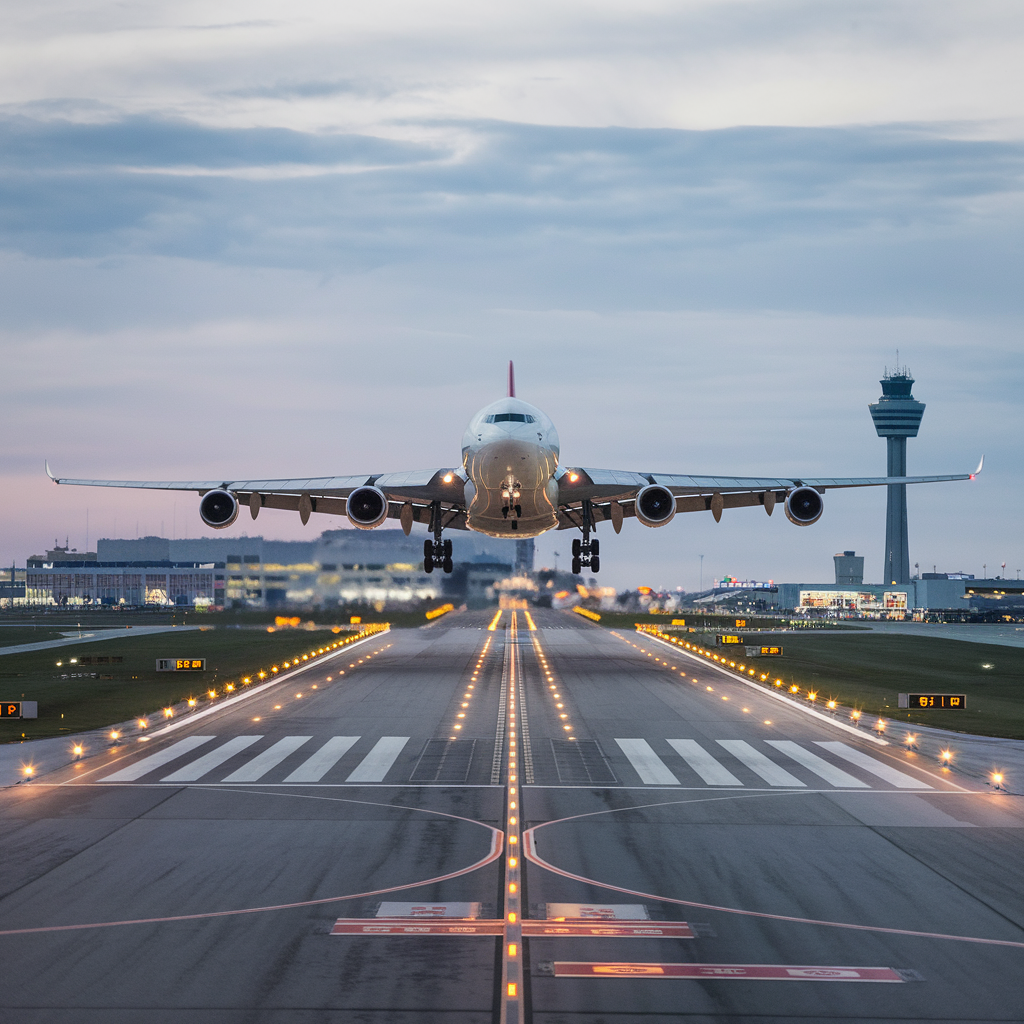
point(655, 505)
point(218, 508)
point(367, 507)
point(804, 506)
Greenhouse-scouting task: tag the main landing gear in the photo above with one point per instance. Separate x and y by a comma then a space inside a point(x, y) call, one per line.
point(511, 492)
point(437, 553)
point(586, 552)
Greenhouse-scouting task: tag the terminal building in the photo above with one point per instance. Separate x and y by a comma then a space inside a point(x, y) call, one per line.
point(931, 591)
point(340, 567)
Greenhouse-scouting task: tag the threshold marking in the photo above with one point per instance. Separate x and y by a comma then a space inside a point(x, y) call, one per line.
point(646, 763)
point(157, 760)
point(377, 763)
point(725, 972)
point(195, 770)
point(316, 767)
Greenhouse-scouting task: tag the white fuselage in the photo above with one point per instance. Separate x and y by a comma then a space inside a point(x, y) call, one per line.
point(510, 455)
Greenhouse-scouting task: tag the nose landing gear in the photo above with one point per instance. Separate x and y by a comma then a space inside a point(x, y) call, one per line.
point(511, 493)
point(586, 552)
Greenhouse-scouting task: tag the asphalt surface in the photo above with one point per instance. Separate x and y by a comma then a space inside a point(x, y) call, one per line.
point(197, 876)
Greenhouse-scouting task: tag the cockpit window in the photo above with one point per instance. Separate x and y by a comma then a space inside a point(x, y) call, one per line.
point(510, 417)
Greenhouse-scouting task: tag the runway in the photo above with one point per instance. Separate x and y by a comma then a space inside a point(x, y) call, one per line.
point(560, 824)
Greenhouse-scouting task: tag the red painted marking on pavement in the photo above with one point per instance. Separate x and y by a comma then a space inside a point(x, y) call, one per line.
point(530, 851)
point(726, 972)
point(613, 929)
point(382, 926)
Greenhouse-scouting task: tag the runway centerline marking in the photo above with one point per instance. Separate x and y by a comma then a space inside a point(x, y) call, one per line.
point(512, 1000)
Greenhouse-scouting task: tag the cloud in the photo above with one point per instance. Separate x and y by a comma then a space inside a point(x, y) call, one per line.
point(895, 217)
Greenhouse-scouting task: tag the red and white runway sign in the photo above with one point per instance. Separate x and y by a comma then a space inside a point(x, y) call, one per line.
point(725, 972)
point(438, 926)
point(607, 929)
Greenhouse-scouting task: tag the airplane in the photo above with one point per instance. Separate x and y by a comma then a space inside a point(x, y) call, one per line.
point(511, 485)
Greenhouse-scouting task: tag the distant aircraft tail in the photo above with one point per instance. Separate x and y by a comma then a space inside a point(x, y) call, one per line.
point(511, 380)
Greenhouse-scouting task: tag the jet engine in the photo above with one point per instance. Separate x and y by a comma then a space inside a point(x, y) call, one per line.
point(804, 506)
point(367, 507)
point(218, 508)
point(655, 505)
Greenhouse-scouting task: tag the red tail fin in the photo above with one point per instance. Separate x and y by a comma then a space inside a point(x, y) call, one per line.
point(511, 380)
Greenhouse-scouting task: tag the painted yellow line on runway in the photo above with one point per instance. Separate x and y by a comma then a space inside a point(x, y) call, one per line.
point(513, 1010)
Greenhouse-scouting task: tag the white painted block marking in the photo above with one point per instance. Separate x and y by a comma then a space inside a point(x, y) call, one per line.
point(377, 763)
point(197, 769)
point(157, 760)
point(823, 769)
point(269, 758)
point(869, 764)
point(646, 763)
point(759, 764)
point(713, 773)
point(316, 767)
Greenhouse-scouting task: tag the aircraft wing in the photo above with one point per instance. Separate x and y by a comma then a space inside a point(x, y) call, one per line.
point(605, 487)
point(327, 494)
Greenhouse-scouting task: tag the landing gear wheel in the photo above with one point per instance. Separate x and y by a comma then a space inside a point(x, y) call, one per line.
point(447, 565)
point(576, 566)
point(515, 524)
point(428, 565)
point(575, 547)
point(448, 552)
point(595, 549)
point(428, 550)
point(595, 563)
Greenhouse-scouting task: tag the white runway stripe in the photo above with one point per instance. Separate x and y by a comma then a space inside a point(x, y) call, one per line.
point(316, 767)
point(869, 764)
point(379, 760)
point(269, 758)
point(829, 772)
point(157, 760)
point(713, 773)
point(195, 770)
point(646, 763)
point(759, 764)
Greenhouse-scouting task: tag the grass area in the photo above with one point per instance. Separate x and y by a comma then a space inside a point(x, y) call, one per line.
point(134, 687)
point(868, 671)
point(409, 614)
point(12, 636)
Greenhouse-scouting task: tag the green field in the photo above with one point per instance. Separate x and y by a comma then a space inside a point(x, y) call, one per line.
point(134, 687)
point(12, 636)
point(868, 671)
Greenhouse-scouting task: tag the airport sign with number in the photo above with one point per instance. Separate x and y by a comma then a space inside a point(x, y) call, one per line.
point(947, 701)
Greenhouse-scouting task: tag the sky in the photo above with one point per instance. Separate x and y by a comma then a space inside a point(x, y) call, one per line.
point(304, 239)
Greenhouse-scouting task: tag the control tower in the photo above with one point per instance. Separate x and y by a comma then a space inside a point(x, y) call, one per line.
point(897, 416)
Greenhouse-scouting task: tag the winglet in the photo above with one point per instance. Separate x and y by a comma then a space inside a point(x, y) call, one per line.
point(46, 465)
point(511, 380)
point(978, 470)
